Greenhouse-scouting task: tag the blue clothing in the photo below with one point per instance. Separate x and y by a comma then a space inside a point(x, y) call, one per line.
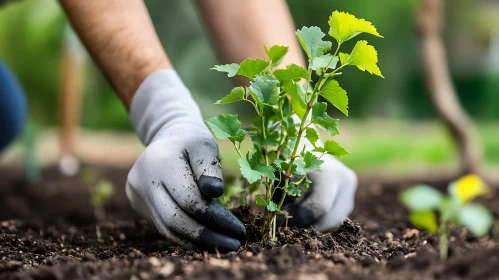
point(12, 106)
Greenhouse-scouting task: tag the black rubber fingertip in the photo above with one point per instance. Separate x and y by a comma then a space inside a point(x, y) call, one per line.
point(210, 186)
point(300, 216)
point(210, 240)
point(224, 221)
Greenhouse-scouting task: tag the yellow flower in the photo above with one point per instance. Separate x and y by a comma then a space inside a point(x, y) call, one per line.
point(469, 187)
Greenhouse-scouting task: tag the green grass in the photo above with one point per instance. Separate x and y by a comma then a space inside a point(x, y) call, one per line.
point(399, 147)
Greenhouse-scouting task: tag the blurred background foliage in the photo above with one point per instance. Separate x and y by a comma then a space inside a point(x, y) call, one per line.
point(32, 32)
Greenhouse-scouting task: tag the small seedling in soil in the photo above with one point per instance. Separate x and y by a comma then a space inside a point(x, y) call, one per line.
point(426, 203)
point(286, 102)
point(101, 192)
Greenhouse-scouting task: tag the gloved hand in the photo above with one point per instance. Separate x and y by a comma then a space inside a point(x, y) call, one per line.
point(174, 180)
point(330, 198)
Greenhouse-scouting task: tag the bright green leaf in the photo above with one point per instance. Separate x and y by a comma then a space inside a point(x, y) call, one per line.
point(421, 198)
point(311, 161)
point(335, 95)
point(310, 39)
point(344, 26)
point(230, 69)
point(227, 127)
point(264, 90)
point(292, 72)
point(476, 218)
point(426, 220)
point(363, 56)
point(344, 58)
point(311, 135)
point(323, 120)
point(271, 207)
point(333, 148)
point(298, 104)
point(252, 67)
point(260, 201)
point(323, 61)
point(276, 53)
point(247, 172)
point(236, 94)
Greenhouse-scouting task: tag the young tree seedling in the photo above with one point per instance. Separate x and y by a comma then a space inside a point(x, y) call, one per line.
point(426, 203)
point(280, 97)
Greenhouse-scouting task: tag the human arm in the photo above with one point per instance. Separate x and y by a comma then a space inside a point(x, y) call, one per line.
point(174, 180)
point(120, 37)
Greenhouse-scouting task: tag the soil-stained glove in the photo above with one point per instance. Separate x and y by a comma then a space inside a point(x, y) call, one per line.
point(330, 198)
point(174, 180)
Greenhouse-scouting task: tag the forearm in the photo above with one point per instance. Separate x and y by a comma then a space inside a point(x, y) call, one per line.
point(239, 29)
point(120, 37)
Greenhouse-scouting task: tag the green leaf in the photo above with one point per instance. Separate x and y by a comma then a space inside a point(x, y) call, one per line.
point(333, 148)
point(260, 201)
point(426, 220)
point(271, 207)
point(292, 72)
point(335, 95)
point(311, 161)
point(230, 69)
point(300, 167)
point(272, 139)
point(323, 61)
point(344, 58)
point(293, 190)
point(298, 104)
point(252, 67)
point(276, 53)
point(236, 94)
point(227, 127)
point(285, 166)
point(448, 209)
point(103, 191)
point(292, 131)
point(363, 56)
point(323, 120)
point(311, 135)
point(344, 26)
point(247, 172)
point(267, 171)
point(264, 90)
point(421, 197)
point(310, 39)
point(476, 218)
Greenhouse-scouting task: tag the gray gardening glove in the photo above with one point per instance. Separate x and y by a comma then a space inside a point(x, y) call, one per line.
point(330, 198)
point(174, 180)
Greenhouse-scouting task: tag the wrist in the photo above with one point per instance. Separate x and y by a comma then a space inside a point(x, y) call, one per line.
point(163, 103)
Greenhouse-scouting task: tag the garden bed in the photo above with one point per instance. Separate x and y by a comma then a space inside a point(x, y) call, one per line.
point(47, 231)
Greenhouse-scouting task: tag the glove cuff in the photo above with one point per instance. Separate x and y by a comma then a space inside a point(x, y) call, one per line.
point(163, 102)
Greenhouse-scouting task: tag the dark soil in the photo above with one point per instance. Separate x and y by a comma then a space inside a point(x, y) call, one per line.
point(48, 231)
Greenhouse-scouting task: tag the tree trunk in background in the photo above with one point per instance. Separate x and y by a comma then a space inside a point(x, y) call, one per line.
point(441, 89)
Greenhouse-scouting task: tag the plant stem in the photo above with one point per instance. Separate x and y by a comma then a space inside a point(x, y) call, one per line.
point(274, 226)
point(293, 154)
point(443, 243)
point(238, 151)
